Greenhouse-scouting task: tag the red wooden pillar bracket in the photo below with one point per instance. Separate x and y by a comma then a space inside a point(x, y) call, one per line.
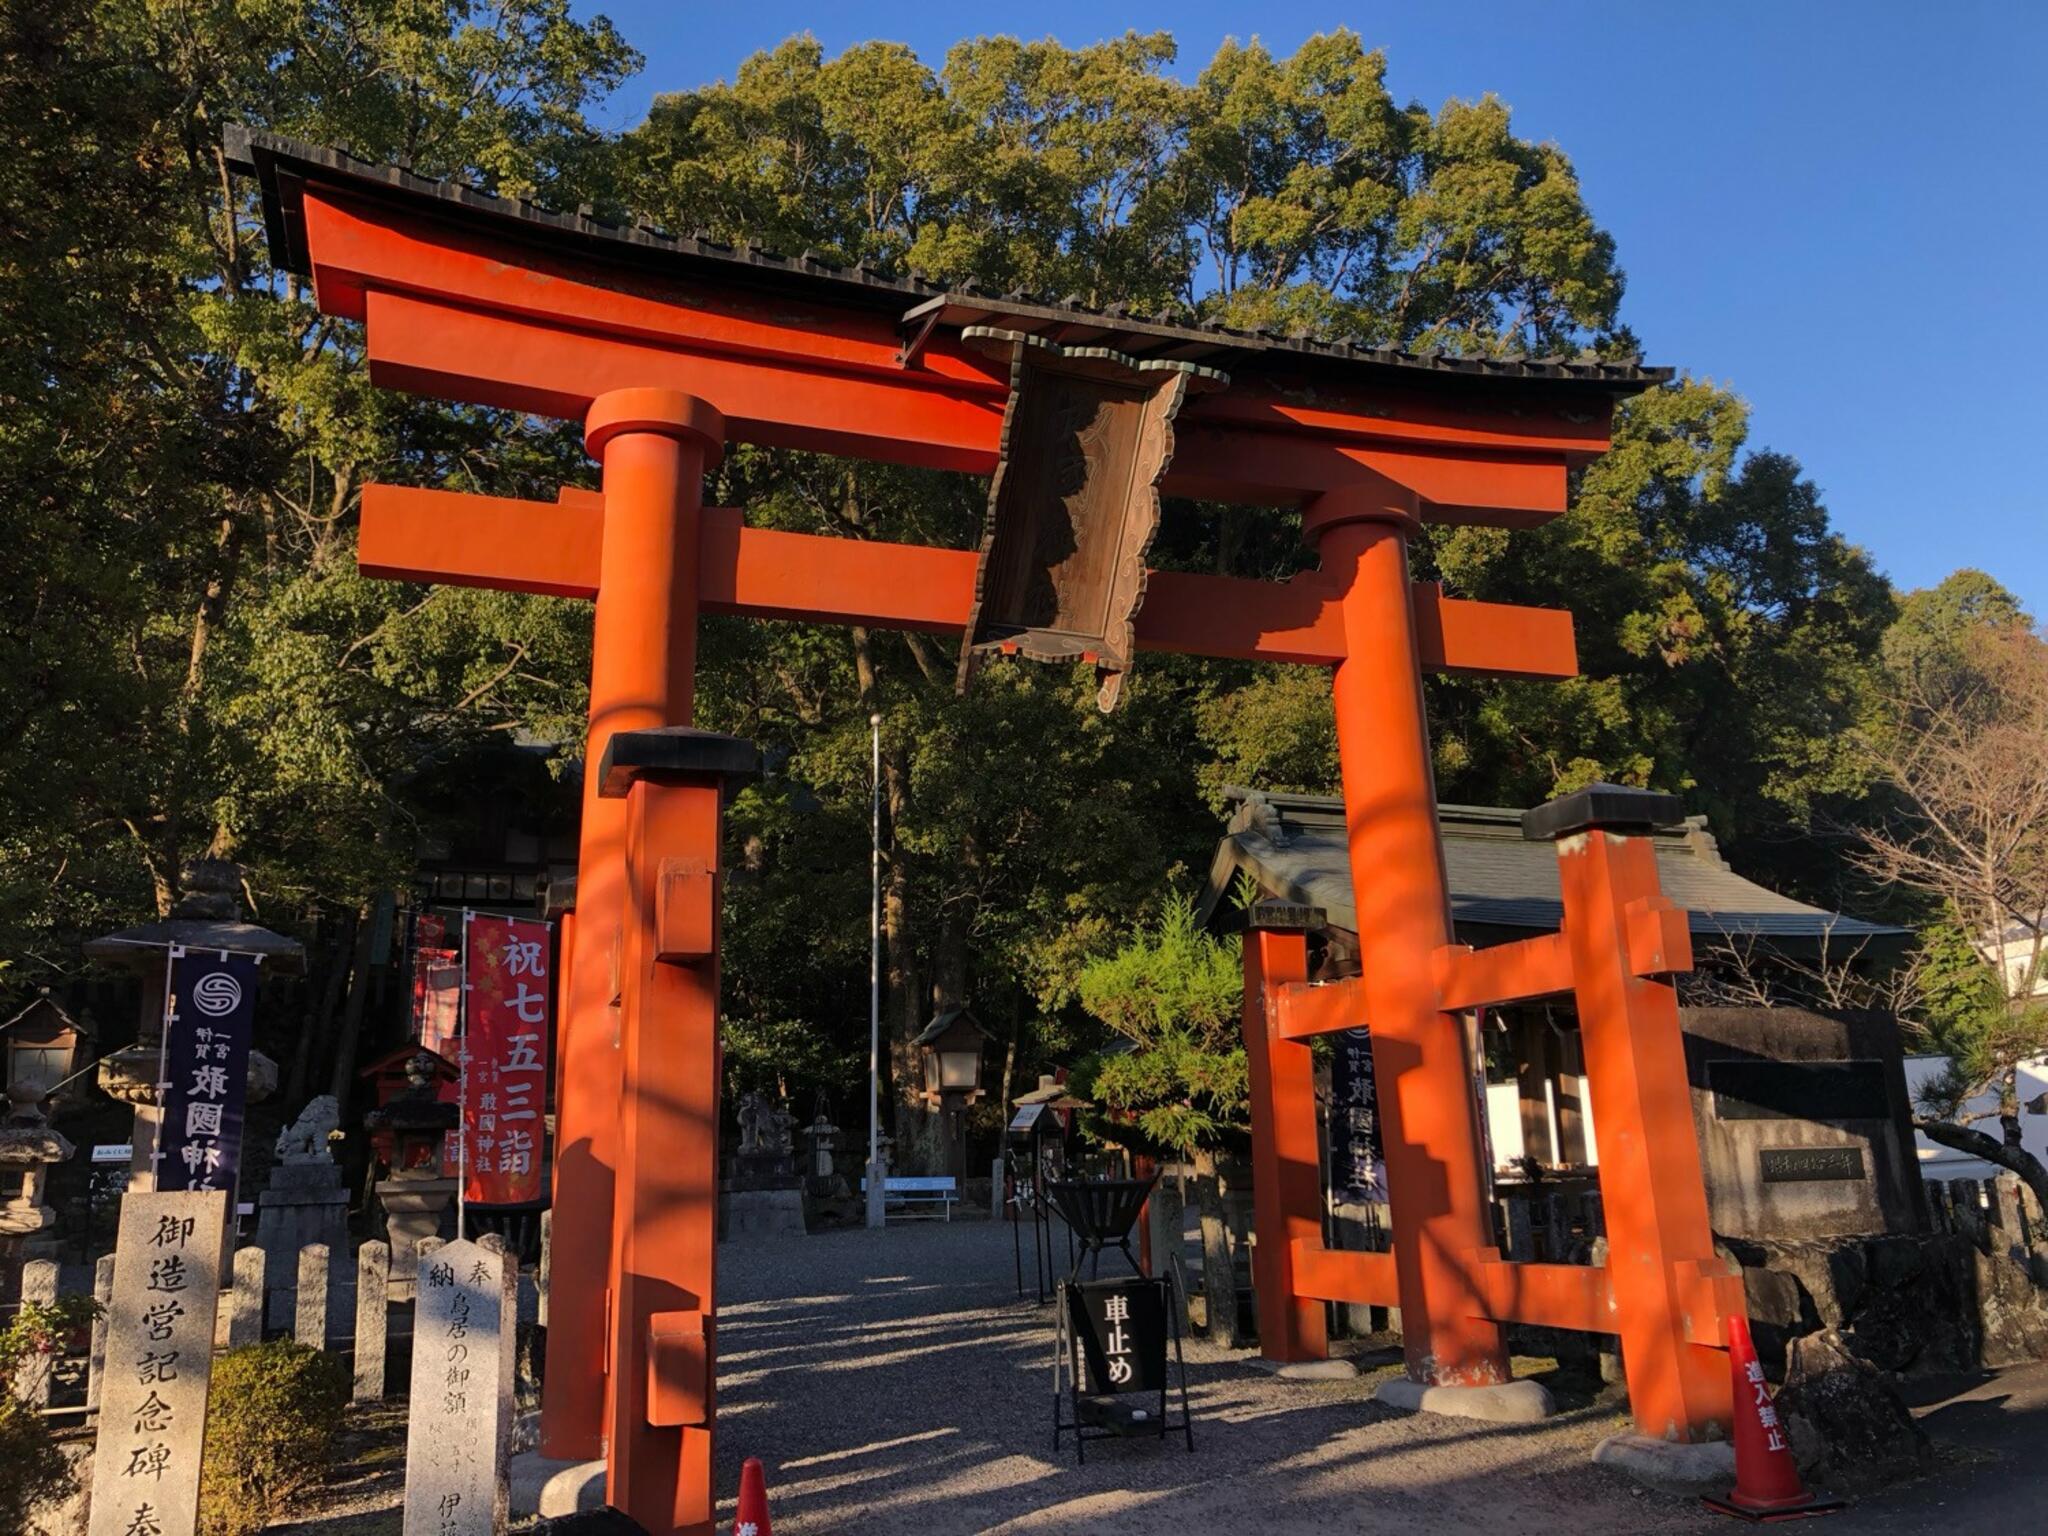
point(1287, 1173)
point(1710, 1291)
point(1669, 1286)
point(1659, 937)
point(662, 1393)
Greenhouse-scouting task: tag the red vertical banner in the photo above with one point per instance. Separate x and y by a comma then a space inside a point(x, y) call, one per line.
point(508, 988)
point(437, 999)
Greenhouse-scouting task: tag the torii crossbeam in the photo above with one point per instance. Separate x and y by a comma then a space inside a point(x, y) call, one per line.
point(666, 349)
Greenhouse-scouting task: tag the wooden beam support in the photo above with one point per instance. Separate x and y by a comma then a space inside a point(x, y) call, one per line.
point(1576, 1296)
point(1307, 1009)
point(459, 540)
point(1505, 973)
point(1335, 1274)
point(408, 534)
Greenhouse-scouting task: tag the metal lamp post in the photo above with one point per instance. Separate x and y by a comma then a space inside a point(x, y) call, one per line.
point(876, 1215)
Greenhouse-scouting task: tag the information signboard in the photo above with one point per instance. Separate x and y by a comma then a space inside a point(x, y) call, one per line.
point(1121, 1328)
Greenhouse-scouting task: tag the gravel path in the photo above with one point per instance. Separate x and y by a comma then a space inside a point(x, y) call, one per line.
point(892, 1382)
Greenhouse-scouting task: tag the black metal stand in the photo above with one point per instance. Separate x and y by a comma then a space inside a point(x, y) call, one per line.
point(1041, 1245)
point(1010, 1201)
point(1112, 1416)
point(1100, 1212)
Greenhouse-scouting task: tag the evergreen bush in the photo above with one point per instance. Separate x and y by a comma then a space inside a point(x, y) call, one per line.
point(269, 1433)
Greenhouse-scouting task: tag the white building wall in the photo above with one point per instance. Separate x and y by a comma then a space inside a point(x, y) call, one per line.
point(1504, 1125)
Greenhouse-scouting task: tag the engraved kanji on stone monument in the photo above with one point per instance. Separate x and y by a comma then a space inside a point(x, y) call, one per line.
point(460, 1417)
point(159, 1361)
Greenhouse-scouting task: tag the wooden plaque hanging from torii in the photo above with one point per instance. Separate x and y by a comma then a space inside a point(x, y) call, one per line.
point(1074, 502)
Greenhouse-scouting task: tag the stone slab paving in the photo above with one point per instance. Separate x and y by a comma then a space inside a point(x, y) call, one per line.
point(892, 1382)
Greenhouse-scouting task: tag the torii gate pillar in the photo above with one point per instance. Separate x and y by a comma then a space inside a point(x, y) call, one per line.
point(1434, 1174)
point(655, 446)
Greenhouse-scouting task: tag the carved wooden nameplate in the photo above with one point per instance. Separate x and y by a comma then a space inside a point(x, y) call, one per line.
point(1074, 502)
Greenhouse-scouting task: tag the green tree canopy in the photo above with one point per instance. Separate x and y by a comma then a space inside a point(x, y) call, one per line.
point(183, 439)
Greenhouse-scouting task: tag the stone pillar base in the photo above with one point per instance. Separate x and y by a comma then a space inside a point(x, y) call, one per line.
point(415, 1208)
point(543, 1486)
point(746, 1213)
point(1513, 1402)
point(1665, 1466)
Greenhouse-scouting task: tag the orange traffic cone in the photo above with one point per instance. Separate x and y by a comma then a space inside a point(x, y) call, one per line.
point(1767, 1486)
point(752, 1519)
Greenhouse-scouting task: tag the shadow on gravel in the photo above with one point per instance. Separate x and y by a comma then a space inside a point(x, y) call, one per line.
point(923, 1402)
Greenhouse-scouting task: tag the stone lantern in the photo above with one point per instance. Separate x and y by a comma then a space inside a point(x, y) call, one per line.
point(952, 1046)
point(207, 916)
point(28, 1147)
point(43, 1043)
point(824, 1138)
point(418, 1194)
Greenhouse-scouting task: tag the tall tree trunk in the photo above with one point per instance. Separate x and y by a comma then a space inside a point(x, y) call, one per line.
point(949, 959)
point(1219, 1279)
point(352, 1016)
point(206, 618)
point(1010, 1059)
point(899, 953)
point(319, 1028)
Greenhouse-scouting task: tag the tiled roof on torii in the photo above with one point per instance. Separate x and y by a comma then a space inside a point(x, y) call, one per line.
point(283, 167)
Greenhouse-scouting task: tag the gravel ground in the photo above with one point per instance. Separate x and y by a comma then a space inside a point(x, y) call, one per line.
point(892, 1382)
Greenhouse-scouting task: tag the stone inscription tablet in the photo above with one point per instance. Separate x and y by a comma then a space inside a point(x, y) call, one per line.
point(460, 1417)
point(1806, 1165)
point(145, 1478)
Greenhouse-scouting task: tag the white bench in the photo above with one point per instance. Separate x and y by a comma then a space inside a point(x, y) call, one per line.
point(899, 1193)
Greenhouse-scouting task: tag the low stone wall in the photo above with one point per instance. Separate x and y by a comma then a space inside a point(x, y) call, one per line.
point(1966, 1298)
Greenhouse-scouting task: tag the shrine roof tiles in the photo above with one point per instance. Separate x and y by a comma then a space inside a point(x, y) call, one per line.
point(1501, 884)
point(283, 166)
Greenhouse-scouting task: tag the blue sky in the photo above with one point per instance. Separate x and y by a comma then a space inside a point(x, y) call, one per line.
point(1841, 210)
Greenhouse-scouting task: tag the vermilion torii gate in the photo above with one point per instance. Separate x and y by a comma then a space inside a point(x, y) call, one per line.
point(667, 348)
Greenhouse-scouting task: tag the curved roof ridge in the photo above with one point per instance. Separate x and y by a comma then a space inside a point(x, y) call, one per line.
point(282, 166)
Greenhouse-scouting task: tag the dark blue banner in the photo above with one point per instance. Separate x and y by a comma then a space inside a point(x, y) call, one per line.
point(207, 1032)
point(1357, 1164)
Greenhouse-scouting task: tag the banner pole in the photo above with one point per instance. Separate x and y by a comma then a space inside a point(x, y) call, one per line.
point(175, 953)
point(462, 1090)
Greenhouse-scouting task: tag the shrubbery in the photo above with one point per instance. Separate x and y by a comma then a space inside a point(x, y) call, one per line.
point(32, 1469)
point(269, 1433)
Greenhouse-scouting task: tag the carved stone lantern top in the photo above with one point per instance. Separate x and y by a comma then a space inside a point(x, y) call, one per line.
point(207, 916)
point(419, 1109)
